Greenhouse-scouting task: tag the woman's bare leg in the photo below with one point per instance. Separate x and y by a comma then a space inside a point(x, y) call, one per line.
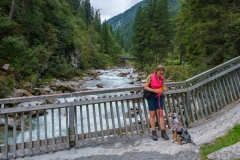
point(152, 119)
point(161, 118)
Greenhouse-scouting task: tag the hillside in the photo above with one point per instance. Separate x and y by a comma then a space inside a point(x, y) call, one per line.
point(123, 21)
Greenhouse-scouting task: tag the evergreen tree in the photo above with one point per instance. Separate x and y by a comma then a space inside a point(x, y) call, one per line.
point(209, 31)
point(152, 33)
point(88, 11)
point(139, 37)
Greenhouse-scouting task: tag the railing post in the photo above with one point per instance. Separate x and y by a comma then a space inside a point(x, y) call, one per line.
point(71, 127)
point(188, 107)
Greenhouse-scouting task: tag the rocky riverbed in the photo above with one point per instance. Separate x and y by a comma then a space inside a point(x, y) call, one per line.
point(93, 79)
point(56, 86)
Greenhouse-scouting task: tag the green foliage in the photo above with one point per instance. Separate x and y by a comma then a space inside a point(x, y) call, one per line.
point(6, 85)
point(175, 73)
point(231, 138)
point(42, 36)
point(12, 48)
point(152, 33)
point(208, 31)
point(102, 60)
point(124, 21)
point(61, 69)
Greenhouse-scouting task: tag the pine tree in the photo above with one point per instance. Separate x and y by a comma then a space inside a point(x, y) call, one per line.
point(152, 33)
point(208, 31)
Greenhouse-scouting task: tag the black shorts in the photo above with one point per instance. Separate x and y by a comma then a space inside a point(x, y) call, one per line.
point(155, 103)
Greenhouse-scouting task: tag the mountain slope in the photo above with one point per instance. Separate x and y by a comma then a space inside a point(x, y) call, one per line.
point(124, 21)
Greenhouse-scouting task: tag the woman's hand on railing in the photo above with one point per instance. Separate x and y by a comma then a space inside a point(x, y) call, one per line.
point(164, 88)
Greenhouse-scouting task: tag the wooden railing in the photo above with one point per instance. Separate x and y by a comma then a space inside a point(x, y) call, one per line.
point(42, 124)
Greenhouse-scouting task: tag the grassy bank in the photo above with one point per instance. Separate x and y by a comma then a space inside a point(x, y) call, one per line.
point(231, 138)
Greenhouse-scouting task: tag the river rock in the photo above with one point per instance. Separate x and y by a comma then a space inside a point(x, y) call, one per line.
point(5, 66)
point(123, 74)
point(42, 91)
point(69, 88)
point(99, 85)
point(20, 93)
point(27, 86)
point(11, 123)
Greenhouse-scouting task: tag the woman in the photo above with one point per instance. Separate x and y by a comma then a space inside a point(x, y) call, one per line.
point(155, 83)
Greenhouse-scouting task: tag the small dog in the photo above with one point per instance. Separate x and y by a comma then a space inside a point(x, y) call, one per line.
point(180, 134)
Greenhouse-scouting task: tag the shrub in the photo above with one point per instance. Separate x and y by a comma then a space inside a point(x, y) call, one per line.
point(174, 72)
point(6, 85)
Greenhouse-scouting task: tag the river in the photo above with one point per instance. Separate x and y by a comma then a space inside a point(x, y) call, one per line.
point(108, 78)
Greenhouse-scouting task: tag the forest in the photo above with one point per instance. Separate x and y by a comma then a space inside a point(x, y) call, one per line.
point(63, 38)
point(202, 35)
point(52, 38)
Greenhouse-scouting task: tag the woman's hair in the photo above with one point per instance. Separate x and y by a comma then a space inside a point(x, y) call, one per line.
point(159, 68)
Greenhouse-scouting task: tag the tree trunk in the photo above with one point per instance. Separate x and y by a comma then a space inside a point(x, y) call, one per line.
point(11, 14)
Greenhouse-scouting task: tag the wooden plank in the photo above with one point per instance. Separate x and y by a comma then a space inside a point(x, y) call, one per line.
point(76, 124)
point(210, 98)
point(88, 121)
point(53, 130)
point(118, 117)
point(30, 132)
point(196, 110)
point(82, 126)
point(124, 117)
point(26, 144)
point(38, 133)
point(6, 137)
point(218, 92)
point(229, 87)
point(146, 115)
point(135, 116)
point(236, 83)
point(45, 131)
point(232, 85)
point(22, 135)
point(130, 117)
point(214, 97)
point(106, 117)
point(225, 91)
point(113, 122)
point(34, 108)
point(60, 127)
point(206, 97)
point(95, 122)
point(34, 98)
point(67, 131)
point(202, 101)
point(199, 103)
point(105, 91)
point(221, 91)
point(180, 110)
point(100, 120)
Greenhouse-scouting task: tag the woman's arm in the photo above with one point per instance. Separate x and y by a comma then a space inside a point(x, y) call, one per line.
point(164, 87)
point(146, 87)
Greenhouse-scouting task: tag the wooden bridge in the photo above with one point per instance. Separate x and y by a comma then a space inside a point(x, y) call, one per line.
point(80, 119)
point(127, 57)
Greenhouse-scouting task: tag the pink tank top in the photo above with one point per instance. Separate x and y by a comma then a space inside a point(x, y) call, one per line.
point(155, 82)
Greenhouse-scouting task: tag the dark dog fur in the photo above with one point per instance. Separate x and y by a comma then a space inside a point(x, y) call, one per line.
point(180, 134)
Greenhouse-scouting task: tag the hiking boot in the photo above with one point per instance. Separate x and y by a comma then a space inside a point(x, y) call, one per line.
point(154, 135)
point(164, 134)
